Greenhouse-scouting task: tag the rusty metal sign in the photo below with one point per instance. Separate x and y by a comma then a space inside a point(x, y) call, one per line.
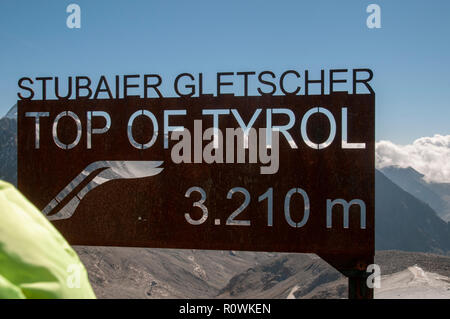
point(175, 173)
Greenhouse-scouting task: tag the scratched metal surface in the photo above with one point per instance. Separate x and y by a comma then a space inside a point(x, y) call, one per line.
point(149, 212)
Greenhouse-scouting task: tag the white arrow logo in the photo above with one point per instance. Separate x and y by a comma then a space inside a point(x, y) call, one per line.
point(100, 172)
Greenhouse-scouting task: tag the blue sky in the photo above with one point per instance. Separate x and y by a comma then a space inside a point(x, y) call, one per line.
point(410, 54)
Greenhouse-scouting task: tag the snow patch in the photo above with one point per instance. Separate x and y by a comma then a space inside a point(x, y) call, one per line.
point(413, 283)
point(292, 292)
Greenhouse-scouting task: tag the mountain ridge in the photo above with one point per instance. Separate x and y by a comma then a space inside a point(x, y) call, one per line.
point(436, 195)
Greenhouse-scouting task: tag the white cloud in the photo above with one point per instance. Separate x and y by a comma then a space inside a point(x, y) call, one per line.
point(427, 155)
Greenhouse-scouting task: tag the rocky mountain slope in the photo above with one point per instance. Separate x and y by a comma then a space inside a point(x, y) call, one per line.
point(8, 150)
point(403, 222)
point(436, 195)
point(166, 273)
point(406, 223)
point(307, 276)
point(117, 272)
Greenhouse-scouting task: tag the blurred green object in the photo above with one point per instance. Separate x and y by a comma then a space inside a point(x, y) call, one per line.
point(35, 260)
